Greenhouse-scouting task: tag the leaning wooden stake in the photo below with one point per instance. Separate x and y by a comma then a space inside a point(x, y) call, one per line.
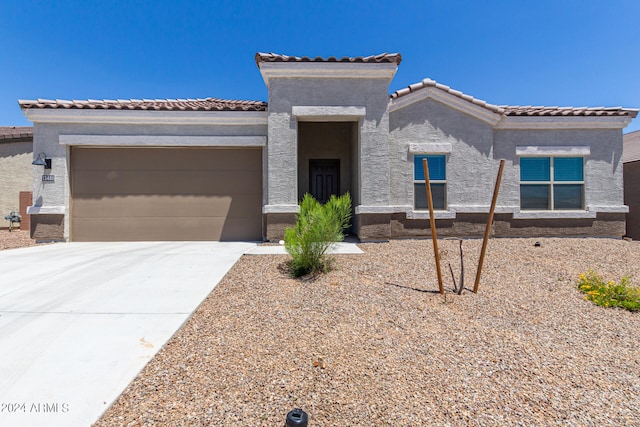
point(488, 229)
point(432, 222)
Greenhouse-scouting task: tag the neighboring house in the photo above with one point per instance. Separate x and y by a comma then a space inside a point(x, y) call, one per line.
point(16, 172)
point(631, 167)
point(210, 169)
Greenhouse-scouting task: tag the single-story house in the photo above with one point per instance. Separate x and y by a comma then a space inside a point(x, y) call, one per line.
point(631, 168)
point(212, 169)
point(16, 173)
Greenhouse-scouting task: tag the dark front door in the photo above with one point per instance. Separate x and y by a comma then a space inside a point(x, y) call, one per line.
point(324, 178)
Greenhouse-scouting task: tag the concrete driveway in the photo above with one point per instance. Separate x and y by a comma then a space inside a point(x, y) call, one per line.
point(78, 321)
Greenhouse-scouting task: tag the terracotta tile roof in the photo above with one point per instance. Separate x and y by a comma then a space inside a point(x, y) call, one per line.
point(206, 104)
point(432, 83)
point(511, 110)
point(393, 58)
point(15, 132)
point(631, 147)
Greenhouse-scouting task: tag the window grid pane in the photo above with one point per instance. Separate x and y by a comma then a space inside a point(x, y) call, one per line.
point(534, 197)
point(568, 169)
point(437, 167)
point(568, 196)
point(535, 168)
point(438, 193)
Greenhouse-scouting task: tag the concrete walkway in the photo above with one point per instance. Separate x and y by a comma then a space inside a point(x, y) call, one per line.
point(78, 321)
point(338, 248)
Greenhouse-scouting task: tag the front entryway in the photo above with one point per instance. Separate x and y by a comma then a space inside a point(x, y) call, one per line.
point(324, 178)
point(328, 159)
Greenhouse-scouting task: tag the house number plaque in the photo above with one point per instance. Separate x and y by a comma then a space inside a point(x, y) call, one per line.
point(48, 178)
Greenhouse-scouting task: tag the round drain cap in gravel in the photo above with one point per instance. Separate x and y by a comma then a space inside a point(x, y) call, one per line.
point(297, 418)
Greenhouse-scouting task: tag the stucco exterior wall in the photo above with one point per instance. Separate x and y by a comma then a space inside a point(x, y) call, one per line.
point(16, 174)
point(466, 141)
point(52, 198)
point(475, 148)
point(373, 148)
point(602, 169)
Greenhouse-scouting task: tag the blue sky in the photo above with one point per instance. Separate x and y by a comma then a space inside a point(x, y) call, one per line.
point(560, 52)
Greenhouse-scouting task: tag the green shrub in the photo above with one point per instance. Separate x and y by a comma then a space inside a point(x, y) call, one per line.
point(609, 294)
point(318, 227)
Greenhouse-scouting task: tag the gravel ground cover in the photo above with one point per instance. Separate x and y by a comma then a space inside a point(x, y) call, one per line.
point(15, 239)
point(526, 350)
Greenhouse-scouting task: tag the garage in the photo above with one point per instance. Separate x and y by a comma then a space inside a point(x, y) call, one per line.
point(160, 194)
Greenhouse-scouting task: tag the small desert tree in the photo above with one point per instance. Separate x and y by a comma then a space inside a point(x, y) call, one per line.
point(318, 227)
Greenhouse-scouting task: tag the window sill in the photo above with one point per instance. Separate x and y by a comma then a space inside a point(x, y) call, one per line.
point(425, 214)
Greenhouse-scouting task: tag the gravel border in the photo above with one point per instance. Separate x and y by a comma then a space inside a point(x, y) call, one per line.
point(15, 239)
point(526, 350)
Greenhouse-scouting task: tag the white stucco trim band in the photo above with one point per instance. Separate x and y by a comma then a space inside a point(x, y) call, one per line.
point(482, 208)
point(536, 150)
point(364, 209)
point(436, 215)
point(46, 210)
point(407, 210)
point(319, 70)
point(609, 209)
point(554, 215)
point(328, 113)
point(449, 100)
point(430, 147)
point(57, 115)
point(163, 141)
point(267, 209)
point(556, 123)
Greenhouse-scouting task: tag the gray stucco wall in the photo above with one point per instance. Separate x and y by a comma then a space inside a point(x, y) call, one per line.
point(476, 148)
point(602, 170)
point(16, 174)
point(373, 149)
point(55, 196)
point(471, 170)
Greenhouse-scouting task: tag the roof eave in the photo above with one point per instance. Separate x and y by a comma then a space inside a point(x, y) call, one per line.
point(163, 117)
point(563, 122)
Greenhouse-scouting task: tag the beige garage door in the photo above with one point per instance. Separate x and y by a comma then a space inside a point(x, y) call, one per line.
point(152, 194)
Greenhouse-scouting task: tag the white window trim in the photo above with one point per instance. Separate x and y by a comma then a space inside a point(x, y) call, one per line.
point(428, 148)
point(415, 211)
point(557, 151)
point(551, 183)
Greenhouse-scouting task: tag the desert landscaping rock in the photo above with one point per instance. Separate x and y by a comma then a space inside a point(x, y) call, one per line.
point(15, 239)
point(526, 350)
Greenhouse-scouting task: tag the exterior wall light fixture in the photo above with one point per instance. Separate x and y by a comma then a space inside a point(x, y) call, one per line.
point(42, 161)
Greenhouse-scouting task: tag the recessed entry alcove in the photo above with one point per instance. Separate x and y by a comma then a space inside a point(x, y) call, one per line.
point(328, 159)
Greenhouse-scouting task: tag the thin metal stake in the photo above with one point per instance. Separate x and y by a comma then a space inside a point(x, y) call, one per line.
point(432, 222)
point(488, 229)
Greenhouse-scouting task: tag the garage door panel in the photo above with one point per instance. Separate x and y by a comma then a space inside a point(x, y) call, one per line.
point(166, 182)
point(159, 229)
point(146, 194)
point(137, 159)
point(242, 206)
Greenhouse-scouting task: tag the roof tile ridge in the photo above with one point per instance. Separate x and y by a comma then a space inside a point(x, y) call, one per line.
point(428, 82)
